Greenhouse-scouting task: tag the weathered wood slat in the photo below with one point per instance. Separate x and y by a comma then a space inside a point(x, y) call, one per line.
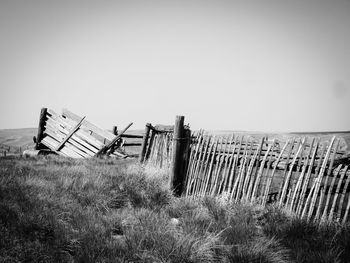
point(88, 126)
point(329, 171)
point(330, 217)
point(68, 124)
point(72, 145)
point(61, 132)
point(132, 136)
point(318, 180)
point(71, 132)
point(340, 207)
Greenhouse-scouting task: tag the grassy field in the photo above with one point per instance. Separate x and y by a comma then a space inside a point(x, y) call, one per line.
point(55, 209)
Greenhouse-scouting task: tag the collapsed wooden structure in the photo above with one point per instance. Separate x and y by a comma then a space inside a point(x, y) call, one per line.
point(70, 135)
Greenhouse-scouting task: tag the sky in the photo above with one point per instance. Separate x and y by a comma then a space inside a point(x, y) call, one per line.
point(271, 66)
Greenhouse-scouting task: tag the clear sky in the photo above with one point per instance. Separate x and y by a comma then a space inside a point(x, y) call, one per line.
point(234, 65)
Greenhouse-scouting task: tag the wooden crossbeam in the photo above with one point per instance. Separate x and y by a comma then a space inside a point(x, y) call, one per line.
point(104, 150)
point(69, 134)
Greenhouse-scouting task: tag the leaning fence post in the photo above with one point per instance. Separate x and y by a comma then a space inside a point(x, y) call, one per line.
point(41, 128)
point(176, 173)
point(144, 142)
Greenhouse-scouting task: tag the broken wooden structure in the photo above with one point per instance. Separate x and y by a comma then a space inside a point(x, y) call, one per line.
point(70, 135)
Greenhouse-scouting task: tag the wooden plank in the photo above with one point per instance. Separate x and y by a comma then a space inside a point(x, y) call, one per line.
point(83, 134)
point(330, 217)
point(71, 132)
point(309, 197)
point(330, 191)
point(73, 145)
point(132, 136)
point(267, 189)
point(67, 150)
point(63, 132)
point(340, 207)
point(329, 171)
point(307, 177)
point(319, 178)
point(41, 128)
point(129, 144)
point(287, 181)
point(105, 149)
point(105, 134)
point(298, 186)
point(191, 165)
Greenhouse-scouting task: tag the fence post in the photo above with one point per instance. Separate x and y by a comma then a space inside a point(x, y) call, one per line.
point(144, 142)
point(115, 130)
point(176, 171)
point(41, 128)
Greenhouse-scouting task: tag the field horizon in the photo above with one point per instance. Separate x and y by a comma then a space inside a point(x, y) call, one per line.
point(23, 137)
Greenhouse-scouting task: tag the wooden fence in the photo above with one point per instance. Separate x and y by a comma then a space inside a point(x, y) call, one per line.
point(157, 145)
point(309, 176)
point(305, 175)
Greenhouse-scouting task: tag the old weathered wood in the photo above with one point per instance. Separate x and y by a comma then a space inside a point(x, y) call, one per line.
point(211, 154)
point(59, 128)
point(217, 162)
point(115, 130)
point(176, 175)
point(286, 167)
point(331, 212)
point(330, 191)
point(264, 185)
point(252, 174)
point(105, 149)
point(257, 181)
point(287, 180)
point(267, 189)
point(70, 134)
point(41, 128)
point(295, 197)
point(132, 136)
point(323, 189)
point(340, 207)
point(145, 142)
point(307, 176)
point(306, 208)
point(318, 180)
point(88, 126)
point(193, 163)
point(345, 218)
point(229, 162)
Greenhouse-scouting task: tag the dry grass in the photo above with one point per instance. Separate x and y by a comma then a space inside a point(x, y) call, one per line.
point(56, 209)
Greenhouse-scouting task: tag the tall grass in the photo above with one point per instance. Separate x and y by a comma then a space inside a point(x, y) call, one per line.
point(56, 209)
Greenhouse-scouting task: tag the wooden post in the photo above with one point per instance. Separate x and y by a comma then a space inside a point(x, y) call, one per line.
point(115, 130)
point(176, 173)
point(144, 142)
point(41, 128)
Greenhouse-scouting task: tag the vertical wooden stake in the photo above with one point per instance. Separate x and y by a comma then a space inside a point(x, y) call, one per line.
point(41, 128)
point(144, 142)
point(176, 173)
point(115, 130)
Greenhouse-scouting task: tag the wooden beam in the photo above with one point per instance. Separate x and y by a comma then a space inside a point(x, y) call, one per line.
point(70, 134)
point(41, 128)
point(144, 142)
point(105, 149)
point(176, 176)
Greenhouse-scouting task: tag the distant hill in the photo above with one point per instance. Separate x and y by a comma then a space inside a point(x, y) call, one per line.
point(24, 137)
